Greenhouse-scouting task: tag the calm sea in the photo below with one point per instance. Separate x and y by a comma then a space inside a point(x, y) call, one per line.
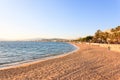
point(12, 52)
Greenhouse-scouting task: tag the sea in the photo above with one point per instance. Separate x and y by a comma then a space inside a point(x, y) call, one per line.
point(20, 51)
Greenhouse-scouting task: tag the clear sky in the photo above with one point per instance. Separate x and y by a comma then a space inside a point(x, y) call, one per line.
point(27, 19)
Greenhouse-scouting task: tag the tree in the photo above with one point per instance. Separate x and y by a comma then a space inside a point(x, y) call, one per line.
point(104, 37)
point(86, 39)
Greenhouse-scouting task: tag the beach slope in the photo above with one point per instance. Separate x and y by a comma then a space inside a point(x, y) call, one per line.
point(87, 63)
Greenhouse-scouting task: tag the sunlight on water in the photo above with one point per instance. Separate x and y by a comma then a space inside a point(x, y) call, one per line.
point(11, 52)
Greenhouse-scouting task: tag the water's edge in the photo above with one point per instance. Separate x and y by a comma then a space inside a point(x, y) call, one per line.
point(28, 62)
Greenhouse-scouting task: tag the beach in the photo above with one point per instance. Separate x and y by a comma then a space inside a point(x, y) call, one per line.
point(113, 47)
point(89, 62)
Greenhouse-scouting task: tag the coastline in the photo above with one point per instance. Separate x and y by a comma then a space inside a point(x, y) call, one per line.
point(87, 63)
point(35, 61)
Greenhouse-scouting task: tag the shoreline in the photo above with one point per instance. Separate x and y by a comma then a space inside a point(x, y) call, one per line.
point(87, 63)
point(35, 61)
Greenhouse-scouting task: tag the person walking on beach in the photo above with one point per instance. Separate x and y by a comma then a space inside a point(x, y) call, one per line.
point(108, 47)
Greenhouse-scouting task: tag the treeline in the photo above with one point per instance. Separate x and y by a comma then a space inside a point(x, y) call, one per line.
point(111, 36)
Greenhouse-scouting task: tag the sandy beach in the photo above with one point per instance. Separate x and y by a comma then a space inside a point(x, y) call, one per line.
point(113, 47)
point(88, 63)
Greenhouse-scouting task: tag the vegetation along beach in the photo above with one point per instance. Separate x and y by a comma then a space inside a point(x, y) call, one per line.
point(59, 39)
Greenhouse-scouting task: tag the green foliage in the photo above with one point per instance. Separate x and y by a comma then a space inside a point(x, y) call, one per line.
point(107, 37)
point(103, 37)
point(86, 39)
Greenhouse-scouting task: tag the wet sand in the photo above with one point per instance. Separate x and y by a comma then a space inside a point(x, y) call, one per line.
point(88, 63)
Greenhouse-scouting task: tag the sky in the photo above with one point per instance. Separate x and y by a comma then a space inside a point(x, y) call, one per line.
point(69, 19)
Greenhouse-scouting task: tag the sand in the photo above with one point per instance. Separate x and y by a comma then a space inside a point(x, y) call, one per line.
point(88, 63)
point(113, 47)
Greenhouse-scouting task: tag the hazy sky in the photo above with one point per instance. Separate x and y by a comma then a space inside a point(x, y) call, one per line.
point(26, 19)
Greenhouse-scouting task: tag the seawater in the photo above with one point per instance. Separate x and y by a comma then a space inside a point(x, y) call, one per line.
point(12, 52)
